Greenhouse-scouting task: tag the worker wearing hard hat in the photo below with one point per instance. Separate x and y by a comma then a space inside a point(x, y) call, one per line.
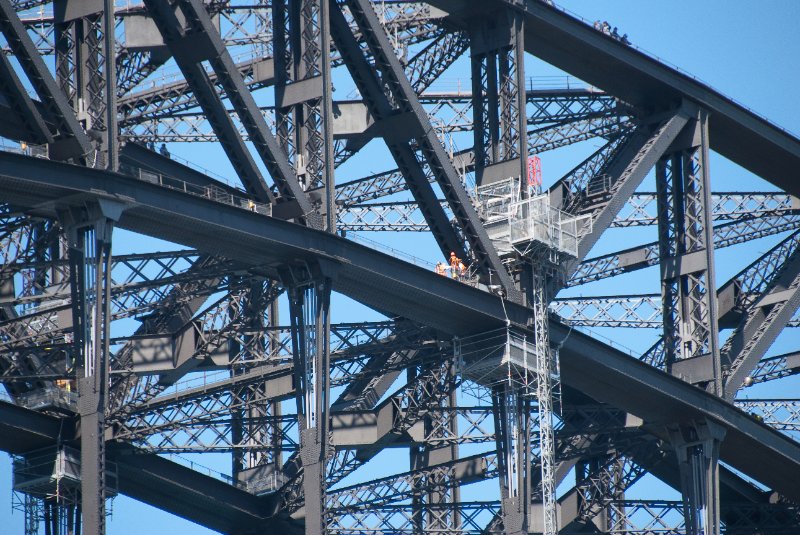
point(456, 266)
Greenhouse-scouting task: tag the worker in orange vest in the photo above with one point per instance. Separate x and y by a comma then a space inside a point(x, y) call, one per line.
point(456, 266)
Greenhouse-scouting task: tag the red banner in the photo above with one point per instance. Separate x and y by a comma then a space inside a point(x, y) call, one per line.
point(534, 171)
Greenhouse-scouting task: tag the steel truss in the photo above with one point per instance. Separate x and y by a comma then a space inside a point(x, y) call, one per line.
point(212, 346)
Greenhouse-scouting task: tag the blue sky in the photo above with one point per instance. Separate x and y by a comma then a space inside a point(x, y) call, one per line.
point(747, 50)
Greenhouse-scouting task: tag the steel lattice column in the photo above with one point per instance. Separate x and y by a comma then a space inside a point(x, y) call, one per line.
point(309, 290)
point(89, 241)
point(256, 425)
point(71, 142)
point(686, 248)
point(439, 423)
point(303, 92)
point(697, 448)
point(498, 96)
point(58, 518)
point(512, 414)
point(590, 489)
point(85, 71)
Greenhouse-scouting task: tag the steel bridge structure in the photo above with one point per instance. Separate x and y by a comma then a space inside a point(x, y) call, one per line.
point(459, 404)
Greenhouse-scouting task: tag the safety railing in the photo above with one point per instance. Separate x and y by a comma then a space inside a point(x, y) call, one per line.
point(397, 253)
point(600, 184)
point(534, 220)
point(200, 468)
point(211, 192)
point(49, 397)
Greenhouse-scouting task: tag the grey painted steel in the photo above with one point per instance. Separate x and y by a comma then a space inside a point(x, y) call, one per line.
point(309, 306)
point(203, 89)
point(417, 126)
point(22, 106)
point(243, 102)
point(90, 288)
point(149, 478)
point(44, 84)
point(697, 449)
point(686, 253)
point(612, 376)
point(380, 108)
point(137, 158)
point(776, 367)
point(644, 256)
point(110, 71)
point(24, 430)
point(601, 372)
point(734, 131)
point(758, 303)
point(763, 321)
point(627, 170)
point(376, 279)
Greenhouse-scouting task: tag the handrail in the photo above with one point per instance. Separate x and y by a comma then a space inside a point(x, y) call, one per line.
point(214, 193)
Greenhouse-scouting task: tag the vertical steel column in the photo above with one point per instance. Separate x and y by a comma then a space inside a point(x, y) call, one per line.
point(588, 481)
point(416, 462)
point(256, 427)
point(110, 75)
point(697, 448)
point(85, 71)
point(303, 92)
point(616, 490)
point(441, 422)
point(238, 456)
point(249, 415)
point(512, 425)
point(513, 403)
point(89, 242)
point(274, 340)
point(309, 308)
point(265, 429)
point(328, 173)
point(498, 96)
point(283, 44)
point(45, 254)
point(66, 62)
point(686, 247)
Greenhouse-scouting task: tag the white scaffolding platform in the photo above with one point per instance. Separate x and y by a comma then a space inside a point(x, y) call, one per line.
point(499, 356)
point(522, 224)
point(55, 473)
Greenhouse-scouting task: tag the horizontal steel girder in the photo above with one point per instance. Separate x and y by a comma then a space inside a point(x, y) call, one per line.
point(149, 478)
point(396, 287)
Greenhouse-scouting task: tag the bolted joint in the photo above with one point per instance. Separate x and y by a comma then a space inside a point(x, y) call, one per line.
point(100, 215)
point(308, 273)
point(310, 447)
point(513, 517)
point(704, 433)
